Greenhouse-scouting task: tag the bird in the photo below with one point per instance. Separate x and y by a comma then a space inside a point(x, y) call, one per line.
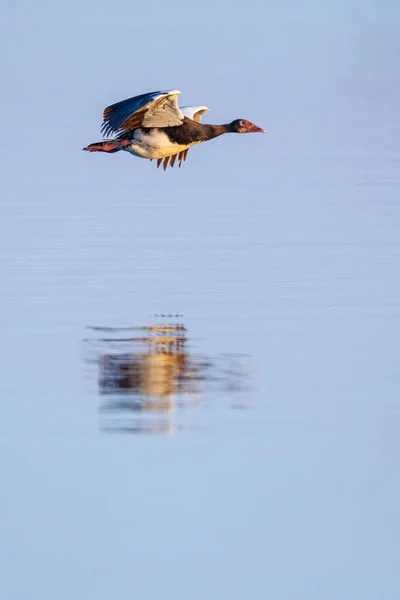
point(153, 126)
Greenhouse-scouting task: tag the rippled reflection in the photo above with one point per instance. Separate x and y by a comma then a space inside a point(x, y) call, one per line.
point(151, 378)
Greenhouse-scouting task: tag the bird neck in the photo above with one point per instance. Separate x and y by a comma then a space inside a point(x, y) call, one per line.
point(210, 132)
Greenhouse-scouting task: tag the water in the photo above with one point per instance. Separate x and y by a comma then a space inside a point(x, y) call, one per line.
point(200, 382)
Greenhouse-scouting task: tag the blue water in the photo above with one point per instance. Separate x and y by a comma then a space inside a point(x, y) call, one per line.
point(256, 457)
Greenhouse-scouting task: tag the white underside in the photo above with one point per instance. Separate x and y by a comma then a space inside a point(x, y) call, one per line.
point(156, 144)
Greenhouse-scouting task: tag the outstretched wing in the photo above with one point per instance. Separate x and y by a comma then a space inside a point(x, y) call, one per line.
point(194, 112)
point(156, 109)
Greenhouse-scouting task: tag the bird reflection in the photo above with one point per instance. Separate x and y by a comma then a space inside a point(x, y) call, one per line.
point(151, 377)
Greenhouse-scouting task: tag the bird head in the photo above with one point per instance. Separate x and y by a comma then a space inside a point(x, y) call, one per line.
point(243, 126)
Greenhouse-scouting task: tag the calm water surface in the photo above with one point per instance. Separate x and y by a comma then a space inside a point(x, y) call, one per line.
point(200, 382)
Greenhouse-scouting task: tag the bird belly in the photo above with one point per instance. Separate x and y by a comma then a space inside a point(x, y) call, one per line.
point(154, 144)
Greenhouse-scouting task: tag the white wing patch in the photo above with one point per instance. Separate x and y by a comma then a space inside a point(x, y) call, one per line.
point(194, 112)
point(164, 112)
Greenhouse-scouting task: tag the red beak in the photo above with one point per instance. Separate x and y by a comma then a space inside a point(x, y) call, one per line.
point(255, 129)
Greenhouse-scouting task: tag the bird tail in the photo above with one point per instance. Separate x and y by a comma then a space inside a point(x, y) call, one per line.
point(108, 146)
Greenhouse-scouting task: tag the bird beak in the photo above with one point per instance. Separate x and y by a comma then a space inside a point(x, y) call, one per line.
point(255, 129)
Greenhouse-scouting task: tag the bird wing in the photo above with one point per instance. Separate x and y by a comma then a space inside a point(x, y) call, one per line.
point(180, 155)
point(191, 112)
point(155, 109)
point(194, 112)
